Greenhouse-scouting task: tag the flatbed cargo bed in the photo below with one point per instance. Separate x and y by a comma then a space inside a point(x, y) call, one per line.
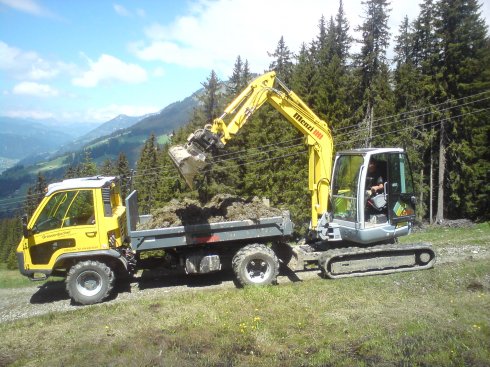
point(268, 228)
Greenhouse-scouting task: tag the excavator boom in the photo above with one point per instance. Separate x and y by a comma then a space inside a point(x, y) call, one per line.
point(190, 158)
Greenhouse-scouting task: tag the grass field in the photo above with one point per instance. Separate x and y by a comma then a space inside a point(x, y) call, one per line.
point(12, 278)
point(438, 317)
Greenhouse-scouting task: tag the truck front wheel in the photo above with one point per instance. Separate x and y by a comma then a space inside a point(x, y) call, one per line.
point(89, 282)
point(255, 265)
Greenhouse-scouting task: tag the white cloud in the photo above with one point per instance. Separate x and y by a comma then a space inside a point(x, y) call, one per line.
point(28, 6)
point(29, 114)
point(121, 10)
point(110, 68)
point(124, 12)
point(158, 72)
point(22, 64)
point(214, 33)
point(35, 89)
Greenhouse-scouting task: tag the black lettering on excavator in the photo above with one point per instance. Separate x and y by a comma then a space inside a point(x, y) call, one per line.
point(308, 127)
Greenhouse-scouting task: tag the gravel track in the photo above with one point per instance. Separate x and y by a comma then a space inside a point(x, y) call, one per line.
point(50, 297)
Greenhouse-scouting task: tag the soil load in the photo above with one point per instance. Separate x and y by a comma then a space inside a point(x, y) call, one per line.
point(221, 208)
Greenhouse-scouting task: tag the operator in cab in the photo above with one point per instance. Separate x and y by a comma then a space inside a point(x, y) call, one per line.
point(375, 178)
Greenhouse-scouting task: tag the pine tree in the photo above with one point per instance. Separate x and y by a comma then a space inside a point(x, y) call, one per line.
point(123, 170)
point(463, 69)
point(283, 61)
point(333, 79)
point(147, 175)
point(235, 83)
point(35, 194)
point(30, 203)
point(415, 139)
point(304, 79)
point(246, 75)
point(342, 38)
point(212, 97)
point(88, 167)
point(374, 90)
point(425, 56)
point(107, 168)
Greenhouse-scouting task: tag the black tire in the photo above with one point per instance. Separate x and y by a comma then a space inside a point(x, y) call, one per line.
point(89, 282)
point(255, 265)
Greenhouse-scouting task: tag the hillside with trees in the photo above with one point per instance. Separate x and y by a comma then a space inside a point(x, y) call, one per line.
point(431, 99)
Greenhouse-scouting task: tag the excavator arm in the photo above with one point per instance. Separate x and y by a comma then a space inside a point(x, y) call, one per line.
point(191, 158)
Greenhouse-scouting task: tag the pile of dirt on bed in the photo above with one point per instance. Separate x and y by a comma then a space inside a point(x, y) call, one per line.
point(220, 208)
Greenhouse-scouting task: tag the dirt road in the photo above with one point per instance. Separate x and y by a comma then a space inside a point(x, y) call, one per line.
point(50, 297)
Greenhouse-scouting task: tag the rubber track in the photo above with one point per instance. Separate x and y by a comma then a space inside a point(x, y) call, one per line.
point(391, 249)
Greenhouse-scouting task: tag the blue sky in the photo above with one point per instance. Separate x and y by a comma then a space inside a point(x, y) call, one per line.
point(88, 61)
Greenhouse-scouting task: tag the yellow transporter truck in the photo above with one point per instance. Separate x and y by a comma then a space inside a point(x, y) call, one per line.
point(82, 231)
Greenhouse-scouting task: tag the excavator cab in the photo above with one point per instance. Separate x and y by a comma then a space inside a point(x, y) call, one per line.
point(367, 216)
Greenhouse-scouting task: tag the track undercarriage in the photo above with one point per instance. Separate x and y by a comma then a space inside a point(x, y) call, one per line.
point(353, 261)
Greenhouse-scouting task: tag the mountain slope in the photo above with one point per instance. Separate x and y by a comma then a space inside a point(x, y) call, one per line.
point(14, 181)
point(20, 138)
point(110, 127)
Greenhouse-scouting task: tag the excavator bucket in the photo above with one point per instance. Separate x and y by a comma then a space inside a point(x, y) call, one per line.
point(188, 161)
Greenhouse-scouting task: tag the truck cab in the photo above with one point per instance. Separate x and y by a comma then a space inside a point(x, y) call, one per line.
point(77, 218)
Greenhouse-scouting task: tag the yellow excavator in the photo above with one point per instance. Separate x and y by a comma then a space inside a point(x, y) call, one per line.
point(358, 209)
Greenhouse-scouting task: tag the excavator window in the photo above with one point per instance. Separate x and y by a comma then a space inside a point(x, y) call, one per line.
point(345, 187)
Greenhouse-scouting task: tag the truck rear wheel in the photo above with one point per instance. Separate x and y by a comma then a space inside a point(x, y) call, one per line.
point(255, 265)
point(89, 282)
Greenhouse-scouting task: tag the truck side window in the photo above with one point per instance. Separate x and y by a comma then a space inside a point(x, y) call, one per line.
point(66, 209)
point(81, 211)
point(53, 212)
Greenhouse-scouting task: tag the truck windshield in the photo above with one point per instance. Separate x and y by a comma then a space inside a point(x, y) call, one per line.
point(66, 209)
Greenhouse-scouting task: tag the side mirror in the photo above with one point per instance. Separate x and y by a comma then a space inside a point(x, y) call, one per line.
point(25, 231)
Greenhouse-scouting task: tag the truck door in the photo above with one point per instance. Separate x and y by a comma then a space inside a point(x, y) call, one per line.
point(66, 223)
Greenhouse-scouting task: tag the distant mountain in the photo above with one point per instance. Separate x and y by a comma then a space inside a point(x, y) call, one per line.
point(74, 129)
point(131, 139)
point(107, 128)
point(15, 180)
point(170, 118)
point(20, 138)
